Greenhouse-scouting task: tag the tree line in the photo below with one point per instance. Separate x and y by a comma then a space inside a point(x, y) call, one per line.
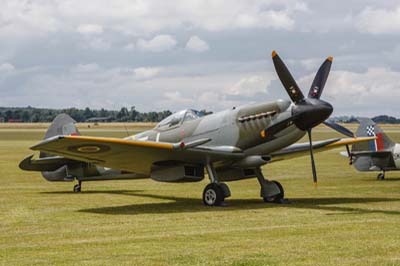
point(31, 114)
point(380, 119)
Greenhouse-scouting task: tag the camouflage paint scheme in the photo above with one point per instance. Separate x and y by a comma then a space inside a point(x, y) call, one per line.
point(230, 139)
point(380, 155)
point(224, 129)
point(230, 145)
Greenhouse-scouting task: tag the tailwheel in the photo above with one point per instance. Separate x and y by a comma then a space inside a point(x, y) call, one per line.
point(213, 195)
point(381, 176)
point(279, 198)
point(77, 187)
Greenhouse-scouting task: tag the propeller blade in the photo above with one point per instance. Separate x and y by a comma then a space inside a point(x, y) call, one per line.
point(339, 128)
point(320, 79)
point(287, 80)
point(314, 171)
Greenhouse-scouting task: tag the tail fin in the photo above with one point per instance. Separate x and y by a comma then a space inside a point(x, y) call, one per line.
point(369, 128)
point(63, 124)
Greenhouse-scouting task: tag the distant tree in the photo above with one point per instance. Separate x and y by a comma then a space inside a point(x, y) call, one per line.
point(384, 119)
point(26, 116)
point(134, 113)
point(87, 113)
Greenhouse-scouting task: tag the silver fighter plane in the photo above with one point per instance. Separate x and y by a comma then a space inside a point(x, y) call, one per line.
point(230, 145)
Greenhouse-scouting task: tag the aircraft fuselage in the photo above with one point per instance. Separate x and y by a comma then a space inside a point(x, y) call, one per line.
point(237, 127)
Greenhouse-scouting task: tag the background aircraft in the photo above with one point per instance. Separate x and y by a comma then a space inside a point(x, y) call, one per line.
point(380, 154)
point(230, 145)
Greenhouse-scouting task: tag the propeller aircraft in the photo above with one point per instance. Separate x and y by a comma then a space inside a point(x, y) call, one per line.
point(230, 145)
point(381, 154)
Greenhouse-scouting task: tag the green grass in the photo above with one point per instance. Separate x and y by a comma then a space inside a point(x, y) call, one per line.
point(350, 219)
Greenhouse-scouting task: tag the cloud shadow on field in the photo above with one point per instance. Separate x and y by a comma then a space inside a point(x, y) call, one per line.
point(181, 205)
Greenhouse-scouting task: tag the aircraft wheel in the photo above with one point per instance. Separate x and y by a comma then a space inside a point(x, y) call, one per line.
point(277, 198)
point(381, 176)
point(213, 195)
point(77, 188)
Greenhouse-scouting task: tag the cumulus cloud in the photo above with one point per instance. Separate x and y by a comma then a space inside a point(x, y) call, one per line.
point(159, 43)
point(90, 29)
point(6, 67)
point(374, 83)
point(229, 15)
point(21, 19)
point(130, 46)
point(54, 44)
point(250, 86)
point(375, 91)
point(139, 17)
point(195, 44)
point(98, 44)
point(145, 73)
point(176, 97)
point(379, 20)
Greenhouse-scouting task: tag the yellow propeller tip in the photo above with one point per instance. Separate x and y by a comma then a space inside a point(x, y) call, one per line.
point(315, 184)
point(273, 53)
point(330, 58)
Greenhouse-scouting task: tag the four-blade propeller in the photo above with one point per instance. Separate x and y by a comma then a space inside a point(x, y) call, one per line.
point(311, 111)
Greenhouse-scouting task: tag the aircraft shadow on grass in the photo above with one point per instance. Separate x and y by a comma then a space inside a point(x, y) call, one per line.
point(182, 204)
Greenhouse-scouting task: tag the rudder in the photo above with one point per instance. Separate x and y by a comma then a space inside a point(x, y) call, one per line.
point(369, 128)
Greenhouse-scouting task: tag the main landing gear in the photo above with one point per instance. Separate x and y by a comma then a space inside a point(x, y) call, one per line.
point(271, 191)
point(77, 187)
point(381, 176)
point(214, 193)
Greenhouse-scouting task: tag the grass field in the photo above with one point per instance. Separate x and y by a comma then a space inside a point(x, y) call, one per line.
point(350, 219)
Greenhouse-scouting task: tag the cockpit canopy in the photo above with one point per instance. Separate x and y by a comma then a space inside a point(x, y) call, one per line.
point(179, 117)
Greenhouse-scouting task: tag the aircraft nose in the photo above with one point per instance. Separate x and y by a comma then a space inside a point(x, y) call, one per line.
point(311, 113)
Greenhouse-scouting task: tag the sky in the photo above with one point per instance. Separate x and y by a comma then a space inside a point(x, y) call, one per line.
point(177, 54)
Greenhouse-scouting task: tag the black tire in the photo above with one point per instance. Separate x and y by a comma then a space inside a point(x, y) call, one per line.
point(77, 188)
point(277, 198)
point(213, 195)
point(381, 176)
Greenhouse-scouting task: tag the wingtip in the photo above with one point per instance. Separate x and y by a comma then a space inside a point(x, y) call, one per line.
point(330, 58)
point(274, 53)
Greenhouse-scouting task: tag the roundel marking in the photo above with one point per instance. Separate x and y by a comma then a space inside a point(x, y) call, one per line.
point(89, 148)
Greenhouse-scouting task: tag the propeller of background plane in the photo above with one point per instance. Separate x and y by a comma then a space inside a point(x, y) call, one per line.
point(311, 111)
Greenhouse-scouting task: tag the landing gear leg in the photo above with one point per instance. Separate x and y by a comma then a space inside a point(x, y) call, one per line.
point(77, 187)
point(381, 176)
point(214, 193)
point(271, 191)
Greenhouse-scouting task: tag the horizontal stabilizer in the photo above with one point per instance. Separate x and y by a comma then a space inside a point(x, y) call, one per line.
point(377, 154)
point(44, 164)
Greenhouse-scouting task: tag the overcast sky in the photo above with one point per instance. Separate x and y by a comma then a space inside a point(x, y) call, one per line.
point(158, 55)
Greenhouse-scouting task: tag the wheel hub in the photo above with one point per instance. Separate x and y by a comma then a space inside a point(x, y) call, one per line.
point(210, 196)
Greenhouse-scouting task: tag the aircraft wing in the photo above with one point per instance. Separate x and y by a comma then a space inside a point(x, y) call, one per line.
point(302, 149)
point(131, 155)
